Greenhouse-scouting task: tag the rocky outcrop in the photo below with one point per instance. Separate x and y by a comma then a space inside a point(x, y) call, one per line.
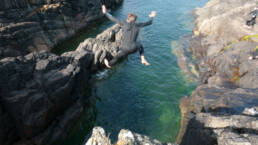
point(221, 44)
point(125, 137)
point(34, 25)
point(223, 109)
point(43, 94)
point(219, 116)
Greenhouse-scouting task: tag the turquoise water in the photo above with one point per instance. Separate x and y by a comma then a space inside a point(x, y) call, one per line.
point(146, 99)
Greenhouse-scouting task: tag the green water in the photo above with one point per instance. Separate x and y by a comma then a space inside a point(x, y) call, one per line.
point(146, 99)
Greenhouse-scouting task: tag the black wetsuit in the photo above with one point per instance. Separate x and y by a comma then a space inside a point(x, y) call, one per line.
point(252, 21)
point(130, 32)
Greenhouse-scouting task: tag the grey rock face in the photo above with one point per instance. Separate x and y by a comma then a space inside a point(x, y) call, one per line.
point(223, 109)
point(28, 26)
point(235, 65)
point(41, 92)
point(37, 88)
point(230, 138)
point(224, 21)
point(105, 45)
point(221, 46)
point(125, 137)
point(211, 115)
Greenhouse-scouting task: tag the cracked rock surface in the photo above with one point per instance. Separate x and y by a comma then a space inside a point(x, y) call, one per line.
point(43, 94)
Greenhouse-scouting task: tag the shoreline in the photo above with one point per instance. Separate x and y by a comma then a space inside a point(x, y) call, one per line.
point(219, 53)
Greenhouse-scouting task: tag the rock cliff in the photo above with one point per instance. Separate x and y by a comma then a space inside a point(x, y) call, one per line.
point(43, 94)
point(34, 25)
point(223, 109)
point(219, 116)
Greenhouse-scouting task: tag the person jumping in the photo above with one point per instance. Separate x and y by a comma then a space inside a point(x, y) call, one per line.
point(130, 30)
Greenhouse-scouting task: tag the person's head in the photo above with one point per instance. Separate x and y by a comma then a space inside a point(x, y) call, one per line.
point(131, 18)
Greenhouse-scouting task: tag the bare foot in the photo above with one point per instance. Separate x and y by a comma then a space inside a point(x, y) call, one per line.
point(145, 62)
point(106, 63)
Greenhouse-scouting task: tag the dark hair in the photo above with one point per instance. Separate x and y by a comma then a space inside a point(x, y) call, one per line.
point(131, 17)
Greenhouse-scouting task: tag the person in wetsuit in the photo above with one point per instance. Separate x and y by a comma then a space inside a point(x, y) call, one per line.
point(254, 14)
point(130, 30)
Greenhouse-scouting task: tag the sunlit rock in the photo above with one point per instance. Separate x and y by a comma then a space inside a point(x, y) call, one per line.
point(125, 137)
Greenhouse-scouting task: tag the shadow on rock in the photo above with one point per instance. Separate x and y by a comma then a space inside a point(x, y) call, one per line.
point(43, 95)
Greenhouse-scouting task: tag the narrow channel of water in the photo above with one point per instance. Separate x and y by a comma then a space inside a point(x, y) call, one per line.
point(146, 99)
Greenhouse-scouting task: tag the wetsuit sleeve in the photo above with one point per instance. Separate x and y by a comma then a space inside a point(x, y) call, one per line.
point(113, 19)
point(145, 23)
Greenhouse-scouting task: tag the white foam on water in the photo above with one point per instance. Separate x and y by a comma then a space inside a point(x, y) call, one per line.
point(102, 74)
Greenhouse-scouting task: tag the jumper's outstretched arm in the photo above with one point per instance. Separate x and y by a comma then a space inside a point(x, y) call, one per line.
point(110, 17)
point(152, 15)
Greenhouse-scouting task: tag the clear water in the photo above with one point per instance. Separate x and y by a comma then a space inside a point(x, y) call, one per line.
point(146, 99)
